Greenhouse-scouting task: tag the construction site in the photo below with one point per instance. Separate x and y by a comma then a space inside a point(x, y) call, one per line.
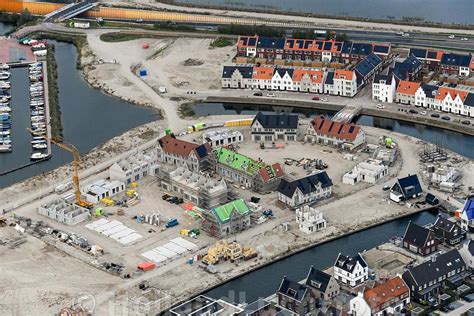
point(201, 202)
point(137, 221)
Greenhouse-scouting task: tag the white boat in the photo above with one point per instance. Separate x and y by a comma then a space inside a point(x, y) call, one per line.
point(40, 146)
point(4, 75)
point(39, 126)
point(5, 141)
point(33, 142)
point(38, 156)
point(35, 65)
point(5, 148)
point(5, 85)
point(5, 133)
point(4, 67)
point(5, 109)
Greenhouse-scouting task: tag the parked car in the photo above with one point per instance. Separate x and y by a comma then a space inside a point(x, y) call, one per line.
point(271, 95)
point(423, 113)
point(446, 118)
point(324, 99)
point(464, 39)
point(451, 36)
point(413, 111)
point(468, 298)
point(165, 196)
point(435, 115)
point(386, 188)
point(316, 98)
point(466, 122)
point(258, 94)
point(380, 106)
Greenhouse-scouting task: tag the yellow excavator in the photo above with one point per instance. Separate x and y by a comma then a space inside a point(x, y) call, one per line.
point(75, 178)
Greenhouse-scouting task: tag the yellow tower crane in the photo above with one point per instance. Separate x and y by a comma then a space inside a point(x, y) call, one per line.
point(75, 177)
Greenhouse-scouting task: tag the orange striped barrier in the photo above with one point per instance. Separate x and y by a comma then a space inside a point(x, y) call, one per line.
point(43, 8)
point(35, 8)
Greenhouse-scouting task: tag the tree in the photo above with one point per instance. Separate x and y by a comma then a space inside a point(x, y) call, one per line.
point(25, 17)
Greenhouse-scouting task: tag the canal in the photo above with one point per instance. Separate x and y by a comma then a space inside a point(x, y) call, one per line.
point(432, 10)
point(5, 28)
point(265, 281)
point(89, 117)
point(456, 142)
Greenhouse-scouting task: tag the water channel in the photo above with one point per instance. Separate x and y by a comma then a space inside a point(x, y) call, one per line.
point(457, 142)
point(265, 281)
point(89, 117)
point(450, 11)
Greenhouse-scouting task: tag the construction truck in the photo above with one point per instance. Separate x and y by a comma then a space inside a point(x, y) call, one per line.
point(132, 193)
point(108, 202)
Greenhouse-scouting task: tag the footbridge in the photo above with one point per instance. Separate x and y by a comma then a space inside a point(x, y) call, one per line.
point(347, 114)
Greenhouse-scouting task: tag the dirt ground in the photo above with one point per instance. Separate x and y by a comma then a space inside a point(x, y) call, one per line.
point(37, 279)
point(188, 64)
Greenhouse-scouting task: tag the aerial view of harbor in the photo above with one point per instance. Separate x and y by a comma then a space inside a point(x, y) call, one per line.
point(236, 158)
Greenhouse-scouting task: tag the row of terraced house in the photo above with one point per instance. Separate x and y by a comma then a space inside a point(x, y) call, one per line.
point(439, 98)
point(291, 49)
point(270, 48)
point(337, 82)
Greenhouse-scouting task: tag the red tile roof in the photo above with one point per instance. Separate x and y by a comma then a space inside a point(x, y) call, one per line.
point(385, 292)
point(265, 73)
point(277, 170)
point(444, 91)
point(348, 74)
point(345, 131)
point(170, 144)
point(316, 76)
point(408, 87)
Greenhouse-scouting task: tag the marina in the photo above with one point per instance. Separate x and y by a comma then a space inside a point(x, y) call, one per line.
point(5, 109)
point(40, 127)
point(78, 101)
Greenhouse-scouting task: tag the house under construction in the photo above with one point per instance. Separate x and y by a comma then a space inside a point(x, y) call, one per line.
point(226, 219)
point(64, 212)
point(250, 173)
point(195, 187)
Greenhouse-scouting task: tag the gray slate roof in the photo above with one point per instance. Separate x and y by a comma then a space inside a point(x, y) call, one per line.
point(292, 289)
point(318, 279)
point(277, 120)
point(348, 263)
point(306, 185)
point(432, 270)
